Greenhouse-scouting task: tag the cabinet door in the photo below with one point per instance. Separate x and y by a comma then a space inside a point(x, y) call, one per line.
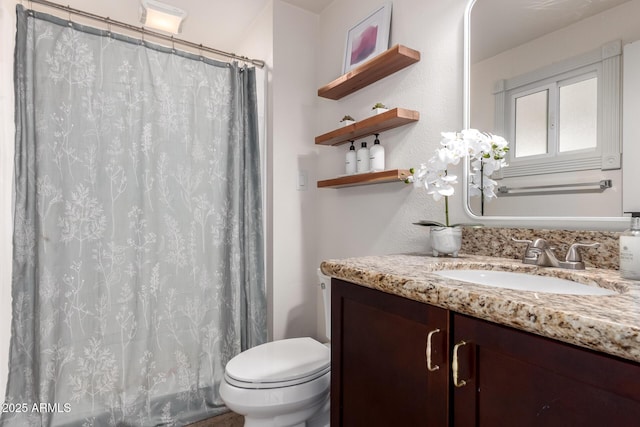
point(514, 378)
point(379, 372)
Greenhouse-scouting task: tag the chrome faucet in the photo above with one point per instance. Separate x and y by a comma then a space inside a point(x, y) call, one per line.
point(539, 253)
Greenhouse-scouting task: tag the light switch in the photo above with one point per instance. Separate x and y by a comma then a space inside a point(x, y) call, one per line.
point(303, 177)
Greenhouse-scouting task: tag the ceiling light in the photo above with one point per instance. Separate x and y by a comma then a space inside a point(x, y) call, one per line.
point(161, 16)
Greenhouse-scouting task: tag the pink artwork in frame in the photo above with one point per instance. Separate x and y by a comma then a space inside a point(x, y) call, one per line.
point(368, 38)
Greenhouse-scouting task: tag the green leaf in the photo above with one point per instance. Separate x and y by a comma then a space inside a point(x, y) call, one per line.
point(429, 223)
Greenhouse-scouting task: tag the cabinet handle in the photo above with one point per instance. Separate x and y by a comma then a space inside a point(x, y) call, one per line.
point(430, 366)
point(454, 366)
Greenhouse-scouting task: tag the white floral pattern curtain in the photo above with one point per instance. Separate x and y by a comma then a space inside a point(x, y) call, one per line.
point(138, 246)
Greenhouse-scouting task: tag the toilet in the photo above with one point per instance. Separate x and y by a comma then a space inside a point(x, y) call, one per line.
point(283, 383)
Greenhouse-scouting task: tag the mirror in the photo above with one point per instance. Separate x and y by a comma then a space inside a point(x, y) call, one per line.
point(538, 36)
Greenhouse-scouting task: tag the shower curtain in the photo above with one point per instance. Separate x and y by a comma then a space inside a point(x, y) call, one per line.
point(138, 245)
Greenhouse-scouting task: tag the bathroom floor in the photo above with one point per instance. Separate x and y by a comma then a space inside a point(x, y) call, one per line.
point(229, 419)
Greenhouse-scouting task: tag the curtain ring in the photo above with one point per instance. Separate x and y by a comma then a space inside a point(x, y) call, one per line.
point(173, 45)
point(108, 20)
point(142, 36)
point(200, 51)
point(70, 21)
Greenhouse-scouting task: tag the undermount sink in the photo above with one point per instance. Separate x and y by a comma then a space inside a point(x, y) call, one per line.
point(523, 282)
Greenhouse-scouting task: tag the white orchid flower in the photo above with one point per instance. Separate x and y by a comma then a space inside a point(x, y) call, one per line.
point(486, 153)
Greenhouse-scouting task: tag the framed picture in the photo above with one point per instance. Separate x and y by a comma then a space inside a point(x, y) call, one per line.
point(368, 38)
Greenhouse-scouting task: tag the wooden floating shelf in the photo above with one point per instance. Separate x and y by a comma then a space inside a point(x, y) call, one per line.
point(394, 175)
point(375, 124)
point(383, 65)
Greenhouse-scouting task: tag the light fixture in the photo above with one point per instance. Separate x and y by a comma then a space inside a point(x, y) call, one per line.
point(161, 16)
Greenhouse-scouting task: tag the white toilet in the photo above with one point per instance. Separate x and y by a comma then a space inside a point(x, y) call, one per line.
point(283, 383)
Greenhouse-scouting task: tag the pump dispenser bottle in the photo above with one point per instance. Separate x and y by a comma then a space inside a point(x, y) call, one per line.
point(363, 158)
point(376, 156)
point(350, 161)
point(630, 249)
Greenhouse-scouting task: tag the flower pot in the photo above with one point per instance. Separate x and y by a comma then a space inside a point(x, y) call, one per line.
point(380, 110)
point(446, 240)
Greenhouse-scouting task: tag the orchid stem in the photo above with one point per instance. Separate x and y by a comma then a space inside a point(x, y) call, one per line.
point(446, 210)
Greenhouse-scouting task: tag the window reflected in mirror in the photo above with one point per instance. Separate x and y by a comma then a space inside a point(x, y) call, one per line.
point(531, 123)
point(578, 116)
point(560, 118)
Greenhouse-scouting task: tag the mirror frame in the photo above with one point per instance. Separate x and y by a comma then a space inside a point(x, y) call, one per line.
point(582, 223)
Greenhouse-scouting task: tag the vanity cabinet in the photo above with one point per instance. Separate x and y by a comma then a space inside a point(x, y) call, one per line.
point(380, 372)
point(488, 375)
point(517, 378)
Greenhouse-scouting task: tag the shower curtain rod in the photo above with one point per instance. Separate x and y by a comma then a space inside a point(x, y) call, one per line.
point(257, 62)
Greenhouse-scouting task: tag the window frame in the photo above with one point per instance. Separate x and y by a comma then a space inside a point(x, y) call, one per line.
point(603, 63)
point(514, 95)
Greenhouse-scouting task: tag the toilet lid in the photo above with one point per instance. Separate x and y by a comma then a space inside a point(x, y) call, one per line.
point(280, 363)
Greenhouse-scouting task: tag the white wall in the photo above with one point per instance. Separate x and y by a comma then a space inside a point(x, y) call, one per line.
point(308, 226)
point(316, 224)
point(311, 225)
point(378, 219)
point(294, 212)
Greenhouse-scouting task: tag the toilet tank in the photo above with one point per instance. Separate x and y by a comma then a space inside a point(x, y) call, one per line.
point(325, 287)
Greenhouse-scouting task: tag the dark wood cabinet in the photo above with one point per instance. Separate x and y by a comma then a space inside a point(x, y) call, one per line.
point(514, 378)
point(488, 375)
point(380, 345)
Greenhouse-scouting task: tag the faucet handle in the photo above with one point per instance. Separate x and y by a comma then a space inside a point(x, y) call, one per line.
point(527, 241)
point(573, 255)
point(541, 244)
point(530, 256)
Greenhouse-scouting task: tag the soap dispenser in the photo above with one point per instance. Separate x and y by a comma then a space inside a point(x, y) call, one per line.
point(630, 249)
point(350, 161)
point(376, 156)
point(362, 158)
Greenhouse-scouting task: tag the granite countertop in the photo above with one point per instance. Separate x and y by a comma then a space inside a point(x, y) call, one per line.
point(610, 324)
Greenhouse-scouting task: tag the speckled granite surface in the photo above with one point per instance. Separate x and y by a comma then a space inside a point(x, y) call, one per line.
point(610, 324)
point(497, 242)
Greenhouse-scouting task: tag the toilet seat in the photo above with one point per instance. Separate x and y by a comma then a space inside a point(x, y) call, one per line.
point(277, 364)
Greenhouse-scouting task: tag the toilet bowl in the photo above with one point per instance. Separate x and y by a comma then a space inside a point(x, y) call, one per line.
point(283, 383)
